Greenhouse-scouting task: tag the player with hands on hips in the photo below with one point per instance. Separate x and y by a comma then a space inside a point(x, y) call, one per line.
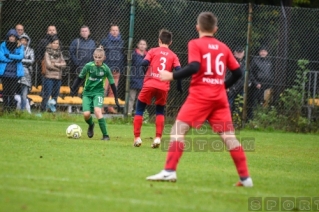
point(156, 60)
point(95, 73)
point(208, 59)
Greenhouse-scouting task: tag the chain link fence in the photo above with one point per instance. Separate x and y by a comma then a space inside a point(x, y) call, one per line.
point(285, 35)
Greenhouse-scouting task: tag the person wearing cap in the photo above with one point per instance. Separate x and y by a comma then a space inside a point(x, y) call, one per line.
point(11, 68)
point(261, 76)
point(238, 87)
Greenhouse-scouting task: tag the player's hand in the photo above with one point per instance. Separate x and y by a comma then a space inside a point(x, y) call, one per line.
point(117, 104)
point(166, 75)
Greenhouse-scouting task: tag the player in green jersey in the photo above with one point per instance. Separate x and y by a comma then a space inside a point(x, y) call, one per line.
point(95, 74)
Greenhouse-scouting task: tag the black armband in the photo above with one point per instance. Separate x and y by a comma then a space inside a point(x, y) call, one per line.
point(187, 71)
point(235, 76)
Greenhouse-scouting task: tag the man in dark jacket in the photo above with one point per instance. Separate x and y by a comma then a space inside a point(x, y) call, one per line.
point(44, 42)
point(113, 46)
point(81, 52)
point(261, 76)
point(238, 87)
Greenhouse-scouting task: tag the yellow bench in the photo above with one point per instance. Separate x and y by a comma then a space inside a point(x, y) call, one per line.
point(314, 102)
point(36, 89)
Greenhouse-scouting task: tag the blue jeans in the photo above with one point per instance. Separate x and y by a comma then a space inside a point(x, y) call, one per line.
point(24, 96)
point(50, 87)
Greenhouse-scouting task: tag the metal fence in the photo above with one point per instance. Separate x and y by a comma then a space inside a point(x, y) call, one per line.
point(287, 34)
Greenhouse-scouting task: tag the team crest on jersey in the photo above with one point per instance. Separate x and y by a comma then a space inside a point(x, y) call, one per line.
point(101, 73)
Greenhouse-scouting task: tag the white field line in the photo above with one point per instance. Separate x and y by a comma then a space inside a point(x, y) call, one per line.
point(155, 185)
point(103, 198)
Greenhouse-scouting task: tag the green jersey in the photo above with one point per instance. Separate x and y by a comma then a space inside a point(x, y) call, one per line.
point(95, 78)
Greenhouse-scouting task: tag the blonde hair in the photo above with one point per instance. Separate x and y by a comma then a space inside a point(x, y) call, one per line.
point(100, 50)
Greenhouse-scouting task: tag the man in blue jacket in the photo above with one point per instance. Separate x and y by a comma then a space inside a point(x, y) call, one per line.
point(113, 46)
point(11, 68)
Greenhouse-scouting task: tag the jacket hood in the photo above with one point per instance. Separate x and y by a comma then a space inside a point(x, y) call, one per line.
point(24, 35)
point(12, 32)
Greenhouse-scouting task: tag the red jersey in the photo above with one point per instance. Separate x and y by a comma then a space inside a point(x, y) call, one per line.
point(214, 58)
point(160, 59)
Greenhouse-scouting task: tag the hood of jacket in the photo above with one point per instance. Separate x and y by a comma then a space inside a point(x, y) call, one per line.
point(24, 35)
point(12, 32)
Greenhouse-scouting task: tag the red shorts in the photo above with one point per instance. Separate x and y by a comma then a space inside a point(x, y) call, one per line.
point(147, 93)
point(195, 112)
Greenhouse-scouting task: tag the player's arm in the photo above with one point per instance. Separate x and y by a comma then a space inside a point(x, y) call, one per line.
point(235, 76)
point(179, 81)
point(78, 81)
point(187, 71)
point(113, 87)
point(193, 66)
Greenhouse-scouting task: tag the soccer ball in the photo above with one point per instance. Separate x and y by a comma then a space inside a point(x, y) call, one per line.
point(74, 131)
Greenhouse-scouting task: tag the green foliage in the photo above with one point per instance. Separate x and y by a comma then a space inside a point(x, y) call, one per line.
point(237, 112)
point(288, 116)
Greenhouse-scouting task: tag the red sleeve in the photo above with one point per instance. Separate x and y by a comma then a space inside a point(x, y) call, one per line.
point(176, 62)
point(232, 63)
point(193, 52)
point(149, 55)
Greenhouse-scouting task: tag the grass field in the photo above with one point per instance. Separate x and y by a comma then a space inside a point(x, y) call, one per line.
point(42, 170)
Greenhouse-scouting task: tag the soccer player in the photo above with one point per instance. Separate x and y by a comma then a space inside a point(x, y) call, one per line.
point(208, 59)
point(157, 59)
point(95, 74)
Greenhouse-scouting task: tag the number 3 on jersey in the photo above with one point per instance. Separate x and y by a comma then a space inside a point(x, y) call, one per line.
point(163, 65)
point(219, 65)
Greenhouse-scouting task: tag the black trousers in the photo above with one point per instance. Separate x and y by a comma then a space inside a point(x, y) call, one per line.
point(10, 87)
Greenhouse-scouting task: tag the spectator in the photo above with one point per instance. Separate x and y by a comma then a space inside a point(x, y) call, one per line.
point(113, 46)
point(137, 73)
point(11, 68)
point(81, 50)
point(238, 87)
point(20, 29)
point(261, 76)
point(44, 42)
point(27, 61)
point(54, 63)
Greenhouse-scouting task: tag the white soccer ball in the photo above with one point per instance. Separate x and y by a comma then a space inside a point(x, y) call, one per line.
point(74, 131)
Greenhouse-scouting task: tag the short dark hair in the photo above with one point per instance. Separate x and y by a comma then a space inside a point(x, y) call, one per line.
point(207, 21)
point(84, 26)
point(114, 25)
point(165, 36)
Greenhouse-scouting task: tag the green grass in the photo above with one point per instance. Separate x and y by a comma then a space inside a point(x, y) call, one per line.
point(42, 170)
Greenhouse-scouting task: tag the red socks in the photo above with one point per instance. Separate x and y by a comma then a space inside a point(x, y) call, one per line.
point(239, 159)
point(159, 123)
point(174, 153)
point(138, 121)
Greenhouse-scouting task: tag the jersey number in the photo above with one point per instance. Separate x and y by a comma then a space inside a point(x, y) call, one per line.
point(219, 65)
point(163, 65)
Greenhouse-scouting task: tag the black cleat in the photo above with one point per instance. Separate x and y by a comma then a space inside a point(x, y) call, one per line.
point(105, 138)
point(91, 131)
